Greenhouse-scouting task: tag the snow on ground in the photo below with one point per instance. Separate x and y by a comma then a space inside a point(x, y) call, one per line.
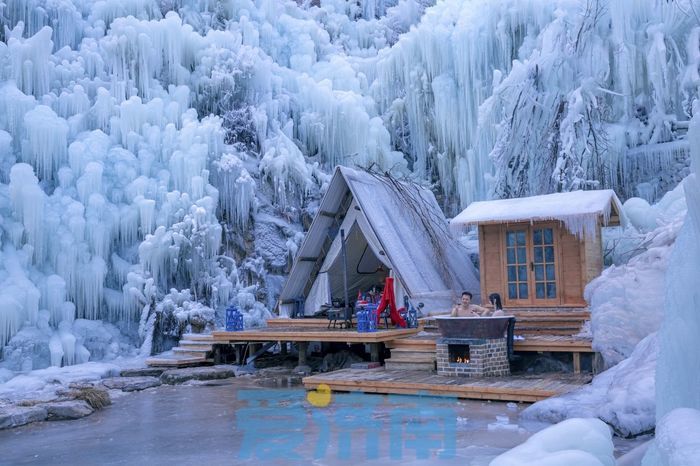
point(43, 384)
point(622, 396)
point(580, 442)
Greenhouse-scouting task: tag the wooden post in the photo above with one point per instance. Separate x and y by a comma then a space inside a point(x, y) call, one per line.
point(239, 356)
point(577, 362)
point(374, 352)
point(303, 346)
point(283, 348)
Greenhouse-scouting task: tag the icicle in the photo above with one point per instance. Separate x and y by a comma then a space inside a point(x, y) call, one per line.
point(56, 350)
point(46, 143)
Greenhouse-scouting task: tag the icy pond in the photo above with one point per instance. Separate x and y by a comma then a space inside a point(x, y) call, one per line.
point(238, 421)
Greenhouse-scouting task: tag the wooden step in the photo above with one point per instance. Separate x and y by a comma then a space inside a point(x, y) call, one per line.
point(413, 356)
point(198, 337)
point(184, 361)
point(411, 344)
point(193, 344)
point(389, 364)
point(420, 350)
point(191, 352)
point(548, 331)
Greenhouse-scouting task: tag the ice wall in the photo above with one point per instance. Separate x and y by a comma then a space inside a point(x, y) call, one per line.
point(678, 370)
point(512, 98)
point(144, 145)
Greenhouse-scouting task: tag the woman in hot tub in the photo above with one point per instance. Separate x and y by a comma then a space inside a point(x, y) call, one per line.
point(466, 309)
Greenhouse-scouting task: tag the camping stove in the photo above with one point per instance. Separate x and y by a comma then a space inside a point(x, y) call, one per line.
point(470, 357)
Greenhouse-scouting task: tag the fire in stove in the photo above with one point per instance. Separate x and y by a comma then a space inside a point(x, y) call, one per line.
point(459, 354)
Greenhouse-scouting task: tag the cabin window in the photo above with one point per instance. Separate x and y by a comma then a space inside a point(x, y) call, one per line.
point(516, 254)
point(531, 264)
point(543, 263)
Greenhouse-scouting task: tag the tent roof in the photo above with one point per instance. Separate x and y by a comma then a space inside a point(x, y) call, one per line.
point(577, 209)
point(409, 226)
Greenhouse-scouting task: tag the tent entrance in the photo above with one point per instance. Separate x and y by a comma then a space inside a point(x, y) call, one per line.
point(366, 266)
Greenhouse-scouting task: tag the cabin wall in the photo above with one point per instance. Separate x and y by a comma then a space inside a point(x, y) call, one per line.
point(572, 266)
point(578, 262)
point(491, 265)
point(593, 257)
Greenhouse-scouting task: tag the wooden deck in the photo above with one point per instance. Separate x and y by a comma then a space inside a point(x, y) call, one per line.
point(305, 322)
point(533, 343)
point(310, 333)
point(520, 388)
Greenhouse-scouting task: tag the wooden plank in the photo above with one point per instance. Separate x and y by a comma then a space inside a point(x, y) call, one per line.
point(577, 363)
point(305, 322)
point(311, 334)
point(514, 388)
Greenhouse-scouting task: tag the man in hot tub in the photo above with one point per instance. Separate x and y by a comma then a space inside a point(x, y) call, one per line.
point(466, 309)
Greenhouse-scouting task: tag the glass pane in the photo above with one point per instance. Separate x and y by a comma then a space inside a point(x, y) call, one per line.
point(522, 255)
point(511, 273)
point(522, 273)
point(538, 255)
point(511, 255)
point(548, 236)
point(522, 290)
point(537, 237)
point(551, 290)
point(521, 238)
point(539, 290)
point(510, 238)
point(549, 253)
point(512, 291)
point(550, 272)
point(539, 273)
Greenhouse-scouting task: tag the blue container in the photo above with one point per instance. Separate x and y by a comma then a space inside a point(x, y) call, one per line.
point(362, 321)
point(371, 317)
point(412, 318)
point(234, 319)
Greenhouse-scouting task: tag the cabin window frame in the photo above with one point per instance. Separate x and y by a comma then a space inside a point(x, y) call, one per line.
point(531, 283)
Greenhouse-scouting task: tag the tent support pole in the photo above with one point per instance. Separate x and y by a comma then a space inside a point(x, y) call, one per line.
point(348, 314)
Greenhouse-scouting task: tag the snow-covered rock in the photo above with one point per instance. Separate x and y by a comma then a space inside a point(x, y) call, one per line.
point(69, 409)
point(583, 442)
point(131, 384)
point(15, 416)
point(178, 376)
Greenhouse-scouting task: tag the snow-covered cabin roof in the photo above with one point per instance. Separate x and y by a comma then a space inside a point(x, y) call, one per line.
point(580, 211)
point(406, 241)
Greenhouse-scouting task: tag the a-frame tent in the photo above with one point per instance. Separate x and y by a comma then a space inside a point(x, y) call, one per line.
point(392, 229)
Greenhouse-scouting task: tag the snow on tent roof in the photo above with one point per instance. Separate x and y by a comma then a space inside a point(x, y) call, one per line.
point(580, 211)
point(407, 243)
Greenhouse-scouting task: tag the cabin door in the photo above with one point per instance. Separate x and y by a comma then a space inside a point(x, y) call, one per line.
point(531, 265)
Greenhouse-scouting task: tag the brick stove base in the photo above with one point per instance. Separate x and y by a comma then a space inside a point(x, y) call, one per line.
point(487, 358)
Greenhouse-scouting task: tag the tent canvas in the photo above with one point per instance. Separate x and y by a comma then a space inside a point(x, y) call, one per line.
point(398, 226)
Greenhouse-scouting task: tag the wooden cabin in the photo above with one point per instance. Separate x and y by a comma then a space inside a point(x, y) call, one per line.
point(541, 251)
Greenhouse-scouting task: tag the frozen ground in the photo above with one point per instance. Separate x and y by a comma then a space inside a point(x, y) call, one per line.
point(197, 424)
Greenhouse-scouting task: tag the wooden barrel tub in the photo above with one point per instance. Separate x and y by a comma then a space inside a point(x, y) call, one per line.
point(473, 327)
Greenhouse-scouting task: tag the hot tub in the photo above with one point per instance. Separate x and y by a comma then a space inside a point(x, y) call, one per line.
point(473, 327)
